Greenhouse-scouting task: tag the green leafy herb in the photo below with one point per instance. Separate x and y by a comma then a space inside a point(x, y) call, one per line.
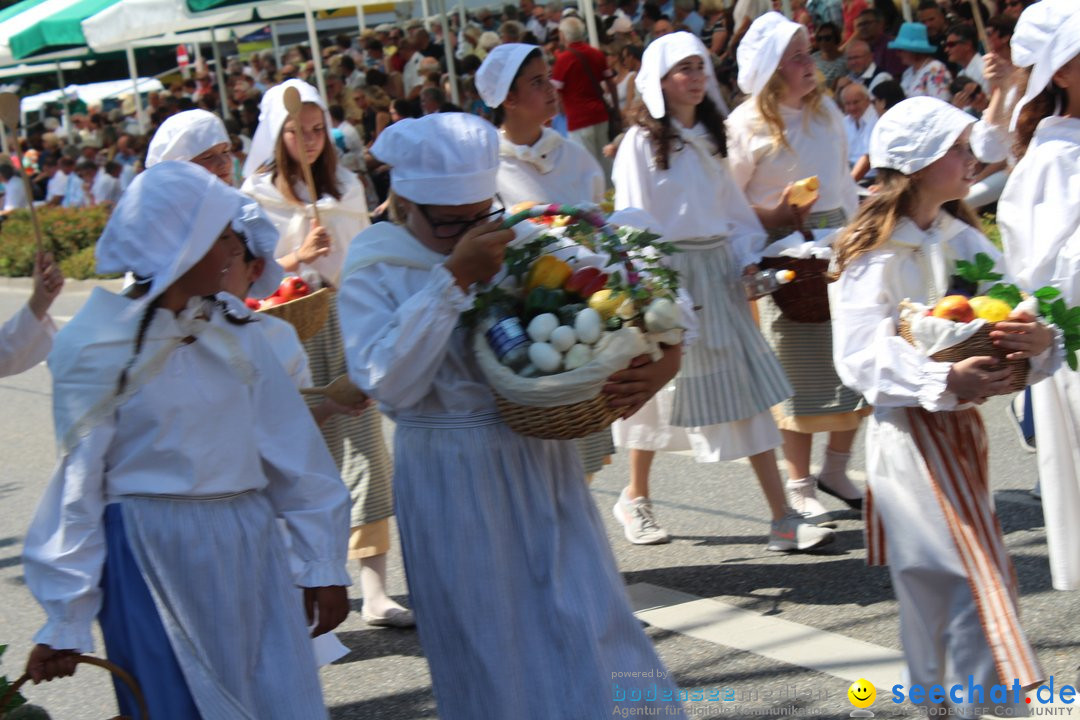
point(1007, 293)
point(982, 270)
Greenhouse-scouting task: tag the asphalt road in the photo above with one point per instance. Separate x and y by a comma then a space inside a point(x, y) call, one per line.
point(718, 519)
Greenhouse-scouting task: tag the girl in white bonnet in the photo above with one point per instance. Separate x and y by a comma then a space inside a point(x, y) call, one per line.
point(521, 610)
point(927, 452)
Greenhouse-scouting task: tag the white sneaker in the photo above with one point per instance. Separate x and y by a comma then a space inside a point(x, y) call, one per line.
point(803, 500)
point(792, 532)
point(638, 521)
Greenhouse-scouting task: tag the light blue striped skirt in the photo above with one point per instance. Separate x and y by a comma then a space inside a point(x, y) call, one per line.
point(729, 373)
point(219, 578)
point(520, 608)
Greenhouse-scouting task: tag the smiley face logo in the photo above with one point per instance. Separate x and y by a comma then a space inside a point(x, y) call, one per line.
point(862, 693)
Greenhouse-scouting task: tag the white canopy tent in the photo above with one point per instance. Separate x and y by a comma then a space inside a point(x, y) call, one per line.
point(90, 94)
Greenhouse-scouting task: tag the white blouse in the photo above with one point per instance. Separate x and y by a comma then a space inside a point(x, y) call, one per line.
point(552, 170)
point(24, 341)
point(343, 219)
point(696, 197)
point(1039, 211)
point(869, 355)
point(194, 428)
point(818, 146)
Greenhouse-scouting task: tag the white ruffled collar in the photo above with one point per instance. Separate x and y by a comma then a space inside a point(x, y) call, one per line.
point(540, 154)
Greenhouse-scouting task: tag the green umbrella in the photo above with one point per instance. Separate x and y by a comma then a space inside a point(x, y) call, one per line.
point(13, 10)
point(60, 31)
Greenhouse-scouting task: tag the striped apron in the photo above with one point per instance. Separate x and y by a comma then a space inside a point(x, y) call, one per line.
point(930, 514)
point(217, 573)
point(356, 443)
point(729, 373)
point(520, 607)
point(805, 353)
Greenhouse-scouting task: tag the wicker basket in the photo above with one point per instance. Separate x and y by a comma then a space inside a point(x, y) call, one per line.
point(307, 314)
point(119, 672)
point(977, 345)
point(806, 298)
point(564, 422)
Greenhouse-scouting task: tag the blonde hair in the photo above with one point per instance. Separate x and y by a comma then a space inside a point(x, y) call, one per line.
point(876, 220)
point(287, 172)
point(768, 106)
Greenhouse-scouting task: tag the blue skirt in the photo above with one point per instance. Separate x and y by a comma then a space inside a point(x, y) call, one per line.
point(135, 639)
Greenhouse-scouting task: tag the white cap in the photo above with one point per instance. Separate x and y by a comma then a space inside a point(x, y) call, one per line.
point(489, 40)
point(185, 206)
point(761, 48)
point(272, 117)
point(441, 159)
point(261, 238)
point(1047, 36)
point(497, 72)
point(660, 57)
point(622, 24)
point(186, 135)
point(915, 132)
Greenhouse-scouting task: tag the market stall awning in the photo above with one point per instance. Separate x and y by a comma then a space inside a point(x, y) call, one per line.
point(19, 17)
point(60, 30)
point(130, 20)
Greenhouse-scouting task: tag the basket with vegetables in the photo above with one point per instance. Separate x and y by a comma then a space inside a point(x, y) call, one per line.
point(959, 326)
point(578, 302)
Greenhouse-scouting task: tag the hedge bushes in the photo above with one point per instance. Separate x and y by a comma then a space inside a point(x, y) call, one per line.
point(69, 233)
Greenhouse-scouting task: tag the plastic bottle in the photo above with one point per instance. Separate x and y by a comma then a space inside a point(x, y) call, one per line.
point(506, 337)
point(766, 282)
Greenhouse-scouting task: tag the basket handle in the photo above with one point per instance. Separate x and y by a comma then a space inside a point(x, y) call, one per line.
point(116, 670)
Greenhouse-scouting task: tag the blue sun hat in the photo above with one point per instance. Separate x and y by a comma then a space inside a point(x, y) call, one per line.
point(913, 38)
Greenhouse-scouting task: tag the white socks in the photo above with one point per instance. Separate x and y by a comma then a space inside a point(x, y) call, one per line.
point(834, 475)
point(373, 586)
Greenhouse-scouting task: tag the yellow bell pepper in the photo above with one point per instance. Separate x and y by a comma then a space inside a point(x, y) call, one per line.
point(548, 272)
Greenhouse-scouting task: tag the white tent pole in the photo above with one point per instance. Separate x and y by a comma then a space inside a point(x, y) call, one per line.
point(64, 113)
point(906, 9)
point(590, 22)
point(360, 19)
point(139, 118)
point(450, 69)
point(277, 43)
point(786, 5)
point(3, 140)
point(426, 10)
point(219, 73)
point(198, 52)
point(316, 52)
point(462, 16)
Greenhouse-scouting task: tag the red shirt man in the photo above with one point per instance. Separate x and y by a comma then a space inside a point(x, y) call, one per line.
point(580, 101)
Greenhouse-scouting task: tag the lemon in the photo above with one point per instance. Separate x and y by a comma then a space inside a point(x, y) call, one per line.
point(990, 309)
point(606, 302)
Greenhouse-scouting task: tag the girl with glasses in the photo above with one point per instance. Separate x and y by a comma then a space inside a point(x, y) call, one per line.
point(786, 131)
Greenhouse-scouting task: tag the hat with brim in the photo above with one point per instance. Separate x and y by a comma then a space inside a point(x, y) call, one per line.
point(915, 133)
point(913, 38)
point(1051, 53)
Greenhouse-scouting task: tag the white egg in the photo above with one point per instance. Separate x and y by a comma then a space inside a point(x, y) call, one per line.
point(588, 325)
point(541, 327)
point(563, 338)
point(546, 358)
point(577, 356)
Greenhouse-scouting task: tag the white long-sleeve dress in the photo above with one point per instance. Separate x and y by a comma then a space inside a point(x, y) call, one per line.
point(519, 605)
point(1039, 216)
point(24, 341)
point(186, 471)
point(927, 468)
point(718, 404)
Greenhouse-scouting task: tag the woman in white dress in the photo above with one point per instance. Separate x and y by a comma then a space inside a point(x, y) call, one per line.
point(1040, 230)
point(521, 611)
point(788, 130)
point(926, 447)
point(169, 471)
point(317, 253)
point(673, 165)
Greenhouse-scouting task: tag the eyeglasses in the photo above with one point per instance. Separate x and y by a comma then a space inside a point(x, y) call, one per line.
point(448, 229)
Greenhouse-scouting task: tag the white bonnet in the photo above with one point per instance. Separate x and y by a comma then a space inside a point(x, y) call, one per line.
point(660, 57)
point(915, 132)
point(186, 135)
point(761, 48)
point(497, 72)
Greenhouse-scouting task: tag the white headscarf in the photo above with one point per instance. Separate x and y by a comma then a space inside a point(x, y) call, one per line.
point(184, 136)
point(916, 132)
point(261, 238)
point(272, 117)
point(165, 222)
point(496, 73)
point(660, 57)
point(441, 159)
point(761, 48)
point(1047, 36)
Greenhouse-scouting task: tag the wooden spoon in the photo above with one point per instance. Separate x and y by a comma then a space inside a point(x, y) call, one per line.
point(9, 115)
point(293, 105)
point(341, 390)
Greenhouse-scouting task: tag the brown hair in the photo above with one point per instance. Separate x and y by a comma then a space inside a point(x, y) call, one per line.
point(661, 133)
point(877, 217)
point(768, 105)
point(1041, 107)
point(286, 172)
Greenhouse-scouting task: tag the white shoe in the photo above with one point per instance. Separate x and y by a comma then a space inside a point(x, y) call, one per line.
point(803, 500)
point(638, 521)
point(792, 532)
